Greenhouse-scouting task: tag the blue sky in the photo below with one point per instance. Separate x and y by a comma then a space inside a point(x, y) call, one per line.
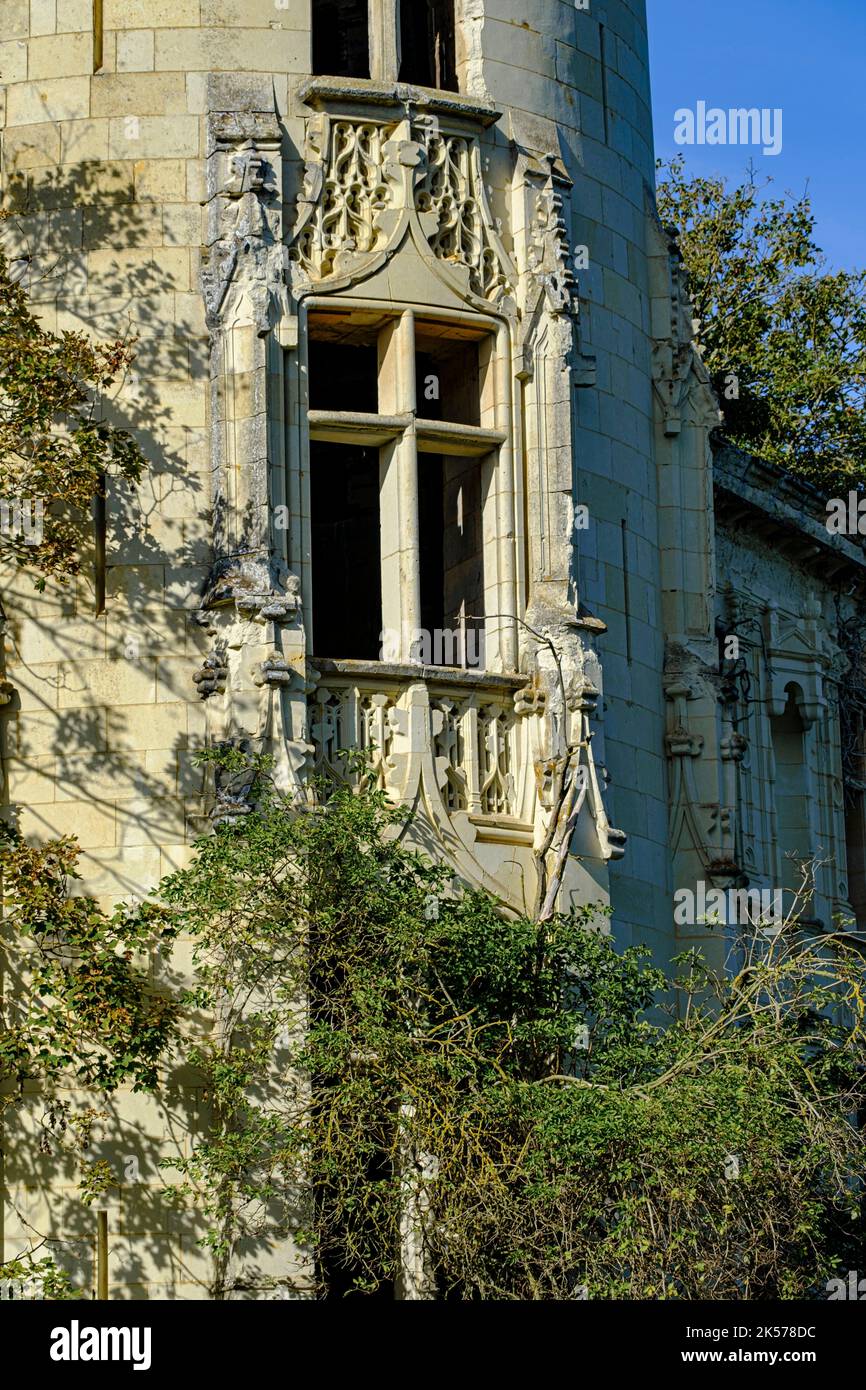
point(807, 57)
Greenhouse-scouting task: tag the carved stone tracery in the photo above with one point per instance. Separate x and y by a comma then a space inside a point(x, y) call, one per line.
point(345, 191)
point(365, 179)
point(450, 188)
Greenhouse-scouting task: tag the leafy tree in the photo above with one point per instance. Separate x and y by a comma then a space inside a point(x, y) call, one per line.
point(783, 337)
point(55, 447)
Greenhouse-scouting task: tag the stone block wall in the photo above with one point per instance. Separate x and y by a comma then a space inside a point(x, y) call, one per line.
point(105, 167)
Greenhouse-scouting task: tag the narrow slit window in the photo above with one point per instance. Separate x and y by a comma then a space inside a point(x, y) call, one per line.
point(341, 42)
point(98, 39)
point(427, 44)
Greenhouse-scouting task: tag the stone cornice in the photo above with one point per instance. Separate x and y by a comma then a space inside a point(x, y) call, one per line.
point(784, 512)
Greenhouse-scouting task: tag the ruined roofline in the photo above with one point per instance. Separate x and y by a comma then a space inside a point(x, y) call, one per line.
point(750, 492)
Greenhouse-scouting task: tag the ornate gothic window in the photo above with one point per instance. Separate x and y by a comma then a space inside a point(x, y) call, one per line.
point(403, 485)
point(413, 40)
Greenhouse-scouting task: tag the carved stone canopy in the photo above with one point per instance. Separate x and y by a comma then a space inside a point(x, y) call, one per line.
point(381, 165)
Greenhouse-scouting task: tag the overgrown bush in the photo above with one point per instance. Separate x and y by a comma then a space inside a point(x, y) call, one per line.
point(437, 1099)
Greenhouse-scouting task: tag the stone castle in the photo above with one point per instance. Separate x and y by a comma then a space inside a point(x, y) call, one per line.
point(431, 474)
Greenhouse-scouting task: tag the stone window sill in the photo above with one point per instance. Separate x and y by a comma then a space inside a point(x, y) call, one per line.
point(399, 673)
point(324, 93)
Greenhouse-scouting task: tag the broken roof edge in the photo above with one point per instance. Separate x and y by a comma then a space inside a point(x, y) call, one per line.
point(751, 491)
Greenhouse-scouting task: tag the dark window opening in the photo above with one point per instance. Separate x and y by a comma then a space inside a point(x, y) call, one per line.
point(346, 551)
point(791, 793)
point(427, 49)
point(447, 379)
point(341, 1273)
point(452, 568)
point(343, 377)
point(341, 44)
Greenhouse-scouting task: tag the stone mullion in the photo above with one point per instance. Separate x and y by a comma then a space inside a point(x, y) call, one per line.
point(472, 757)
point(504, 419)
point(384, 56)
point(398, 491)
point(498, 521)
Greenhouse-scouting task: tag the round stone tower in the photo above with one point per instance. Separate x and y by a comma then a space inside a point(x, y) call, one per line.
point(396, 290)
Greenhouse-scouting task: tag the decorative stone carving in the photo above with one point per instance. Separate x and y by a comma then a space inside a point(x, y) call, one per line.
point(549, 245)
point(452, 201)
point(244, 233)
point(795, 658)
point(568, 744)
point(367, 181)
point(345, 192)
point(702, 824)
point(250, 604)
point(212, 675)
point(677, 366)
point(458, 754)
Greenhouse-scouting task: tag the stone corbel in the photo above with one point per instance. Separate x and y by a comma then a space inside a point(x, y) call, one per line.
point(672, 368)
point(611, 841)
point(564, 697)
point(210, 679)
point(250, 682)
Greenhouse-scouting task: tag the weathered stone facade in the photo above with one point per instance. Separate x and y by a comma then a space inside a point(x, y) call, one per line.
point(185, 176)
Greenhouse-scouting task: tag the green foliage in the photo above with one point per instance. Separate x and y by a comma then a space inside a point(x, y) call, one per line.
point(39, 1278)
point(79, 1002)
point(424, 1089)
point(55, 447)
point(776, 321)
point(435, 1098)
